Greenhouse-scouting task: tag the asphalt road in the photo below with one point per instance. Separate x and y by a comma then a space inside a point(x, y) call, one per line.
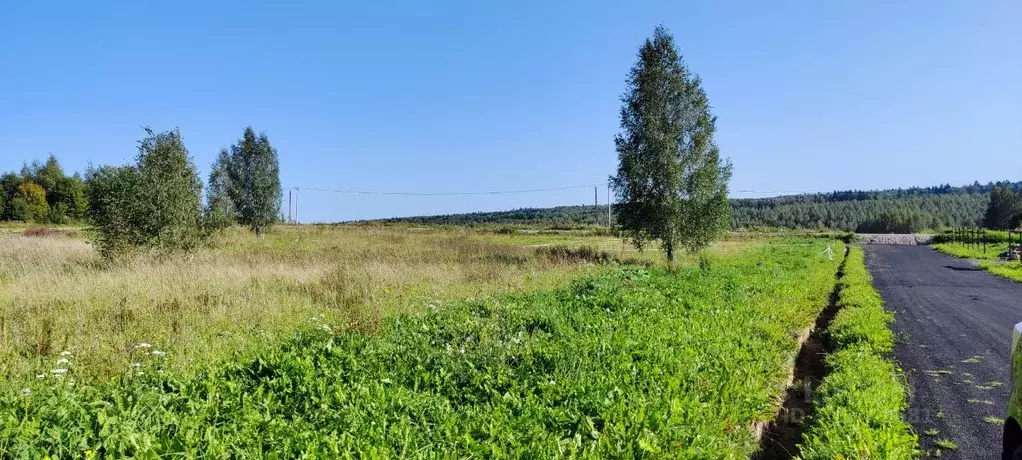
point(953, 324)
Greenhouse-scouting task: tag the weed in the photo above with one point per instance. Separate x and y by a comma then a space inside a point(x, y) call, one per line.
point(946, 444)
point(577, 254)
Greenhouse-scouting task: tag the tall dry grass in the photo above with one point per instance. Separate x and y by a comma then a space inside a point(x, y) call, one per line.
point(224, 303)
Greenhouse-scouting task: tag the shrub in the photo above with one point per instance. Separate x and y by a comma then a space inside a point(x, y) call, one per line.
point(152, 204)
point(30, 203)
point(39, 231)
point(563, 253)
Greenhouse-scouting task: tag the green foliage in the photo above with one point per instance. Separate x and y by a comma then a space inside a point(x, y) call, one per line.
point(111, 193)
point(1004, 210)
point(220, 212)
point(899, 221)
point(858, 407)
point(247, 179)
point(971, 251)
point(64, 195)
point(153, 204)
point(1010, 270)
point(583, 253)
point(627, 363)
point(9, 183)
point(558, 217)
point(920, 208)
point(912, 209)
point(68, 197)
point(29, 203)
point(671, 184)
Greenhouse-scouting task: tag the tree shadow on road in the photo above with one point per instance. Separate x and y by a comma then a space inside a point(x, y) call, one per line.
point(963, 269)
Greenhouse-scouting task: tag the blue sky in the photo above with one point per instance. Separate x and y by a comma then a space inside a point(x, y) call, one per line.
point(473, 96)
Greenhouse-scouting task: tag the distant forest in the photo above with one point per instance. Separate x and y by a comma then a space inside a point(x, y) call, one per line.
point(881, 211)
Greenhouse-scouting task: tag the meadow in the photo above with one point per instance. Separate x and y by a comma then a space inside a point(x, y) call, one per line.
point(57, 294)
point(400, 341)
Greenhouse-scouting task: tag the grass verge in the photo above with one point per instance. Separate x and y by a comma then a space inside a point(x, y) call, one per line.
point(1010, 270)
point(970, 251)
point(858, 406)
point(629, 362)
point(988, 260)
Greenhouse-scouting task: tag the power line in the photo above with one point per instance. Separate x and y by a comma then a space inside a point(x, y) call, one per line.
point(507, 192)
point(794, 192)
point(491, 192)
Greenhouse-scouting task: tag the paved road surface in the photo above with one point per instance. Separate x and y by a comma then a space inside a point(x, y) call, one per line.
point(953, 324)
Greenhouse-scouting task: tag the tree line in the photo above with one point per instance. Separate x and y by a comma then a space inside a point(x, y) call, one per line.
point(42, 193)
point(157, 201)
point(1005, 209)
point(873, 211)
point(880, 211)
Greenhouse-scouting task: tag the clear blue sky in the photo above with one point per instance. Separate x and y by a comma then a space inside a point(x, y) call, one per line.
point(478, 95)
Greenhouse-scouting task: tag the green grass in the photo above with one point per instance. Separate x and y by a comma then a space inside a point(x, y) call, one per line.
point(858, 406)
point(971, 251)
point(1010, 270)
point(988, 261)
point(627, 362)
point(993, 420)
point(998, 237)
point(946, 444)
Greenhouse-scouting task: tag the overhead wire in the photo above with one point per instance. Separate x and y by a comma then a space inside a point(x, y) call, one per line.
point(504, 192)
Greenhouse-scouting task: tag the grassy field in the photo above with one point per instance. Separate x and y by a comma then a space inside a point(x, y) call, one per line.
point(550, 358)
point(56, 294)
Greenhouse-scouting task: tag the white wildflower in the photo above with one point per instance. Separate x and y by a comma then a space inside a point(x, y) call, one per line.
point(26, 392)
point(63, 361)
point(58, 371)
point(143, 345)
point(40, 376)
point(159, 353)
point(136, 365)
point(65, 353)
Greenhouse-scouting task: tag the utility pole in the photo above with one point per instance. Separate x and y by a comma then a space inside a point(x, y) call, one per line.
point(296, 205)
point(289, 220)
point(608, 204)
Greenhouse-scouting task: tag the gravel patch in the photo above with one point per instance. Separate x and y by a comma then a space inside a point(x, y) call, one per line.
point(891, 238)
